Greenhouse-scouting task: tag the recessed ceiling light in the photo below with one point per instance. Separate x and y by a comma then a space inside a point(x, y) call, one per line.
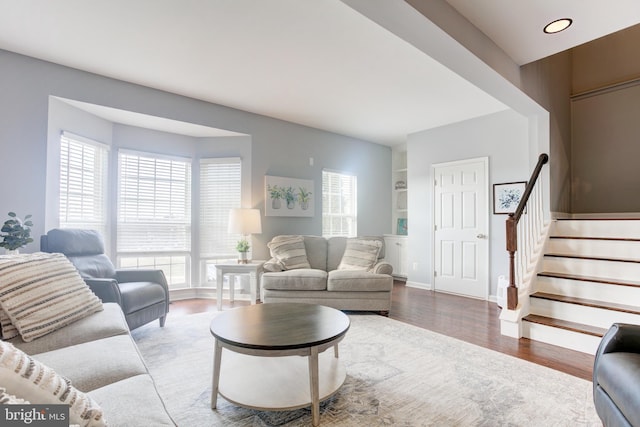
point(558, 25)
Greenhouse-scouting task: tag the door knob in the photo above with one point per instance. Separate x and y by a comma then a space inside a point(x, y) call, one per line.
point(481, 236)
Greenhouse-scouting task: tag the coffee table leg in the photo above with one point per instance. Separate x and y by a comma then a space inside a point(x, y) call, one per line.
point(219, 286)
point(253, 281)
point(315, 392)
point(217, 357)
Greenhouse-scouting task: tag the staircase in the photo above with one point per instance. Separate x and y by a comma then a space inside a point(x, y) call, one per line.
point(590, 279)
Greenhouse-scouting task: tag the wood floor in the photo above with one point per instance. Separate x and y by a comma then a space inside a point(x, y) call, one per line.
point(463, 318)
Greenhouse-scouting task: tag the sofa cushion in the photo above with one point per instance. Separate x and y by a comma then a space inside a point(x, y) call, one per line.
point(43, 292)
point(316, 247)
point(357, 280)
point(619, 376)
point(301, 279)
point(27, 378)
point(106, 323)
point(360, 254)
point(103, 362)
point(290, 251)
point(133, 402)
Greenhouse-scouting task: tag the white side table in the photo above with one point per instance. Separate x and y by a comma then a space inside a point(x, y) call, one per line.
point(253, 269)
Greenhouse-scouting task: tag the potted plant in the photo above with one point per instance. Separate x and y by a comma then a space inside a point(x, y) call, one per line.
point(17, 233)
point(303, 198)
point(276, 193)
point(290, 197)
point(243, 248)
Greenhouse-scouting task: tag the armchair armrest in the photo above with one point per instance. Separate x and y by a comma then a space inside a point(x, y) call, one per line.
point(105, 289)
point(382, 267)
point(142, 275)
point(621, 337)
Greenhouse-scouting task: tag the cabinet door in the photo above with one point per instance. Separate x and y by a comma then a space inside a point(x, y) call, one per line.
point(401, 246)
point(395, 254)
point(391, 252)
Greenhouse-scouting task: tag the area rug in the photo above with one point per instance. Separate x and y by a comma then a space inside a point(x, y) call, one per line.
point(397, 375)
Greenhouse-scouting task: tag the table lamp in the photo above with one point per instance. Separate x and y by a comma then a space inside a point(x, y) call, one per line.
point(245, 222)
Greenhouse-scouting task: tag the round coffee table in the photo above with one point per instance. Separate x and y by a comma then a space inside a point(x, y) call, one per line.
point(280, 333)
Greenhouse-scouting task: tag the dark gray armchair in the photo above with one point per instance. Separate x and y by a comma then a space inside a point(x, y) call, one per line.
point(142, 294)
point(616, 376)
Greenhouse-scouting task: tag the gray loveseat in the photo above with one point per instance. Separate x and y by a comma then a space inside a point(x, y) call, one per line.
point(99, 356)
point(616, 376)
point(324, 283)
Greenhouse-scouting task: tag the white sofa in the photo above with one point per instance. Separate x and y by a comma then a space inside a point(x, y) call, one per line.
point(99, 356)
point(325, 283)
point(62, 345)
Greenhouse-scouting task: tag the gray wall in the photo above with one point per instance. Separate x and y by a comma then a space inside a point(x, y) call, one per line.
point(606, 132)
point(548, 82)
point(606, 124)
point(277, 147)
point(504, 138)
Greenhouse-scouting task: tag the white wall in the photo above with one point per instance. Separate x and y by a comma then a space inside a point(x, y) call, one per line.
point(277, 147)
point(504, 138)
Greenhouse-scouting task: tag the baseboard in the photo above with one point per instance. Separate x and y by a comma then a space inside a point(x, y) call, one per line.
point(425, 286)
point(205, 293)
point(624, 215)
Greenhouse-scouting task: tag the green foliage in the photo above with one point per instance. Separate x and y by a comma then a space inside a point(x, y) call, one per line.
point(242, 246)
point(275, 192)
point(17, 233)
point(303, 195)
point(290, 194)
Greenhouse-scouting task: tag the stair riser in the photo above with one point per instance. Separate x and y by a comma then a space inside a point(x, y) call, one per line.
point(595, 248)
point(597, 228)
point(561, 337)
point(580, 314)
point(588, 290)
point(595, 268)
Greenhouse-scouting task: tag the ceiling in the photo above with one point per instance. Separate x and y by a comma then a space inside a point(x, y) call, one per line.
point(516, 26)
point(317, 63)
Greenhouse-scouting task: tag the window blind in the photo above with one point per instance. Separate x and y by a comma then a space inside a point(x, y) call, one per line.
point(220, 181)
point(154, 203)
point(83, 183)
point(339, 204)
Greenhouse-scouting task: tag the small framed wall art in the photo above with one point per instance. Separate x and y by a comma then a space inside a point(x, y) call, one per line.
point(288, 196)
point(506, 196)
point(402, 229)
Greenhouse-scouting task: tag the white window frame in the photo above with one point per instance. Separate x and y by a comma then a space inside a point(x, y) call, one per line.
point(83, 183)
point(330, 212)
point(214, 217)
point(155, 184)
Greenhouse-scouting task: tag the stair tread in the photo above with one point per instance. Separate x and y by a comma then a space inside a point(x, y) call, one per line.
point(592, 258)
point(612, 239)
point(605, 280)
point(565, 324)
point(604, 218)
point(588, 302)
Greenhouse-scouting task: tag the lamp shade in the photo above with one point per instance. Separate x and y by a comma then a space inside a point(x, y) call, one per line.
point(244, 221)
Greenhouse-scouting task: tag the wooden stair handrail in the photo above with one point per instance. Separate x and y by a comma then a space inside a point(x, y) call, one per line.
point(512, 231)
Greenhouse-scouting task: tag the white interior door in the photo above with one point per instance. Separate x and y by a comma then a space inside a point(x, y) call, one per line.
point(461, 248)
